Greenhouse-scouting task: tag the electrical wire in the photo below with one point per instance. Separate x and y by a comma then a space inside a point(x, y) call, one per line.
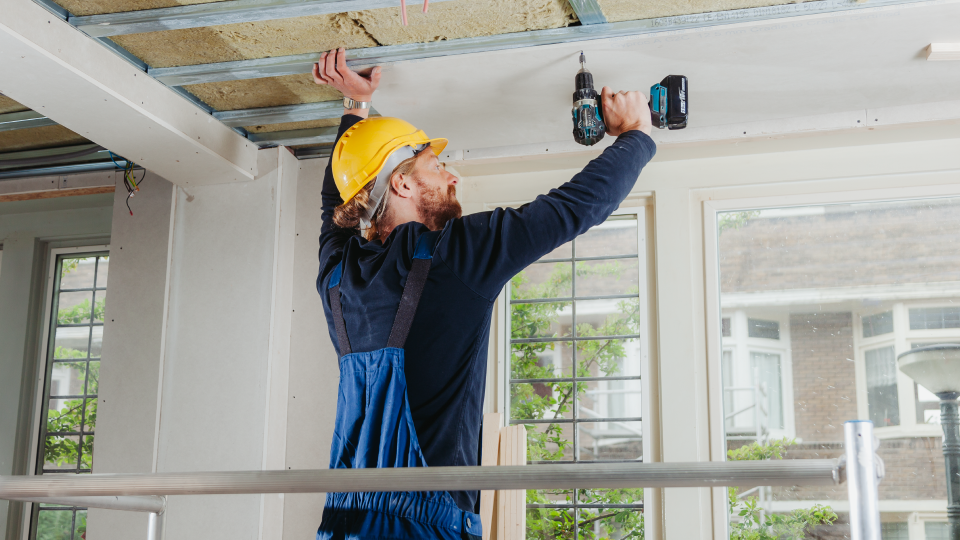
point(130, 181)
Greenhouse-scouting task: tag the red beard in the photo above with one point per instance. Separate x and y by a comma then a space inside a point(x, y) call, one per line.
point(435, 207)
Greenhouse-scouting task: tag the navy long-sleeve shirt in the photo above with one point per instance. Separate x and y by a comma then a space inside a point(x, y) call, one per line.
point(446, 350)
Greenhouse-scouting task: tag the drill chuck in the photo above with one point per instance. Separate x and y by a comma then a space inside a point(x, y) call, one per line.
point(588, 126)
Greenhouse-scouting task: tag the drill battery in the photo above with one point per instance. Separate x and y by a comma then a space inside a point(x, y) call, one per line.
point(668, 102)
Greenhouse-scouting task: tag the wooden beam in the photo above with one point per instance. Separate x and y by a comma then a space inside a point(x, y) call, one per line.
point(53, 194)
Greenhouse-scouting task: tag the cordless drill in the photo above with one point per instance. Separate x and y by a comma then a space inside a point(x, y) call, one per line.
point(668, 106)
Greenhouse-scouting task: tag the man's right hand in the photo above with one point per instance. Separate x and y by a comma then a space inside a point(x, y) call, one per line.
point(625, 111)
point(332, 69)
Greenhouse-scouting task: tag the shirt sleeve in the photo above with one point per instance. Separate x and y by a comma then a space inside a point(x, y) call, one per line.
point(332, 238)
point(486, 249)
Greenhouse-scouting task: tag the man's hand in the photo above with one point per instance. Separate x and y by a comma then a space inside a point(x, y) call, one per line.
point(332, 69)
point(625, 111)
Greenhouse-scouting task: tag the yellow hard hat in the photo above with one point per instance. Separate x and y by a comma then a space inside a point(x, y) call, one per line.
point(360, 154)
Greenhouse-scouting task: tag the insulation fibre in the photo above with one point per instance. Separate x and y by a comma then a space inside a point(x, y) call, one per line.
point(266, 92)
point(8, 105)
point(37, 138)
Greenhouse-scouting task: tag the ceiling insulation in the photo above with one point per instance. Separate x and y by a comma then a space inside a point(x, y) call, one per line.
point(36, 138)
point(97, 7)
point(631, 10)
point(8, 105)
point(267, 92)
point(270, 128)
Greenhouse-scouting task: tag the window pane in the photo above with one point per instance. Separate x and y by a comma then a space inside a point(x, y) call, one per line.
point(67, 378)
point(767, 375)
point(547, 280)
point(103, 269)
point(54, 524)
point(608, 358)
point(875, 325)
point(834, 277)
point(74, 307)
point(72, 342)
point(61, 452)
point(77, 273)
point(93, 378)
point(541, 320)
point(881, 367)
point(610, 441)
point(725, 327)
point(937, 530)
point(616, 236)
point(934, 318)
point(609, 399)
point(541, 401)
point(610, 523)
point(100, 302)
point(610, 277)
point(549, 442)
point(96, 341)
point(541, 360)
point(757, 328)
point(894, 531)
point(548, 523)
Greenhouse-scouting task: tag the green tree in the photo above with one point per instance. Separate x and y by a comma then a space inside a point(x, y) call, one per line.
point(752, 522)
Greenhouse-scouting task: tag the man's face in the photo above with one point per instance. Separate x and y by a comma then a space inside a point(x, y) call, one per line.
point(437, 192)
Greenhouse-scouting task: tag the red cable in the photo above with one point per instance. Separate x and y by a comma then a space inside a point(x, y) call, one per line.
point(403, 11)
point(425, 5)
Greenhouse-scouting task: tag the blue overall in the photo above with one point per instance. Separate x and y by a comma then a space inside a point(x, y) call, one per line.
point(374, 428)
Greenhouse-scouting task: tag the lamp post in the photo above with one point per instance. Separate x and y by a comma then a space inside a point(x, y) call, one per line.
point(937, 368)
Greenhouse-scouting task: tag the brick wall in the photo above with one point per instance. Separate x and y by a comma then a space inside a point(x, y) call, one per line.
point(846, 246)
point(824, 388)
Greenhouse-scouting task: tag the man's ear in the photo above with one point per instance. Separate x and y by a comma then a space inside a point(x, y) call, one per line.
point(401, 185)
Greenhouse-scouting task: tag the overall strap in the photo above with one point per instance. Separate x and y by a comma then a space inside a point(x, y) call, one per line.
point(416, 279)
point(337, 309)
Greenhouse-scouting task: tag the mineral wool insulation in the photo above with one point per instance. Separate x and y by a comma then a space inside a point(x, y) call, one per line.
point(33, 138)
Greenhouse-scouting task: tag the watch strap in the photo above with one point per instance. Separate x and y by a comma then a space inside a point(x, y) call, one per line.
point(350, 103)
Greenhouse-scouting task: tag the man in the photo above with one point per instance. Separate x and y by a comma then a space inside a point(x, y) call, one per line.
point(409, 303)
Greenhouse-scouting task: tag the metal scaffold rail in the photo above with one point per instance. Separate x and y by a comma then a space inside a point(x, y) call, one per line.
point(145, 492)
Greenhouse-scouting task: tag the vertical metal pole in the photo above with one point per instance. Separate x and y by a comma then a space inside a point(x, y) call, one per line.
point(950, 421)
point(155, 525)
point(862, 479)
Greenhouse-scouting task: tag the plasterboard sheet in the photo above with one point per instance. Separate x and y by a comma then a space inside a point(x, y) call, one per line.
point(35, 138)
point(8, 105)
point(270, 128)
point(246, 40)
point(267, 92)
point(97, 7)
point(631, 10)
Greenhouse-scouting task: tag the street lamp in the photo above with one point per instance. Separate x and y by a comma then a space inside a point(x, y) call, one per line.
point(937, 368)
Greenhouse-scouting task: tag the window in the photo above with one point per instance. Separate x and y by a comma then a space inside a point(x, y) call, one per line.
point(575, 373)
point(937, 530)
point(851, 285)
point(754, 374)
point(75, 336)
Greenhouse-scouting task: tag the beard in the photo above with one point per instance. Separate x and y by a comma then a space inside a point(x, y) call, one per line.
point(436, 206)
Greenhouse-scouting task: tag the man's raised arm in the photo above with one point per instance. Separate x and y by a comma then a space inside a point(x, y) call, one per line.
point(489, 248)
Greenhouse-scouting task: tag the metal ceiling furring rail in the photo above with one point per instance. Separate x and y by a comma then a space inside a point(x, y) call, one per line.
point(313, 152)
point(359, 58)
point(62, 169)
point(295, 137)
point(216, 14)
point(24, 120)
point(302, 112)
point(588, 11)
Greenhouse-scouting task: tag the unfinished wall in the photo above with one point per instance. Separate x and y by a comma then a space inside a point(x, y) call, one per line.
point(629, 10)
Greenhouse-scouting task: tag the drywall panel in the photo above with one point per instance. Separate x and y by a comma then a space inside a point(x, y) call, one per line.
point(36, 138)
point(629, 10)
point(266, 92)
point(85, 87)
point(8, 105)
point(132, 356)
point(740, 73)
point(314, 371)
point(215, 367)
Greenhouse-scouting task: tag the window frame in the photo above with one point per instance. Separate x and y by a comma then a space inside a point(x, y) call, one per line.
point(44, 366)
point(504, 350)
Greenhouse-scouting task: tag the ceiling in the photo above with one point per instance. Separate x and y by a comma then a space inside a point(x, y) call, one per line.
point(765, 70)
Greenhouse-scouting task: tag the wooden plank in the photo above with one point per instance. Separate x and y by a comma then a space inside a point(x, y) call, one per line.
point(52, 194)
point(490, 455)
point(511, 507)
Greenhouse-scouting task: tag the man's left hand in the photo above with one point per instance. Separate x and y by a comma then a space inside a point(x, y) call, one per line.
point(332, 69)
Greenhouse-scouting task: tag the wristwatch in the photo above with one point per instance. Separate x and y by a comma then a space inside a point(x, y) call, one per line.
point(350, 103)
